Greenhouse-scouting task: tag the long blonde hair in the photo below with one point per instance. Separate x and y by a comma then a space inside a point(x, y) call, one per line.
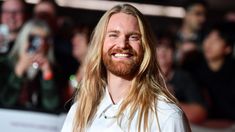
point(146, 86)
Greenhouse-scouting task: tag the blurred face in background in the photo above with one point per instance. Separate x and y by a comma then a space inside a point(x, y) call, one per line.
point(46, 11)
point(165, 54)
point(45, 7)
point(195, 17)
point(12, 14)
point(80, 46)
point(215, 47)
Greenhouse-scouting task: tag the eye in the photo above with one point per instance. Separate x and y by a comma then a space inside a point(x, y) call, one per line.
point(112, 35)
point(134, 37)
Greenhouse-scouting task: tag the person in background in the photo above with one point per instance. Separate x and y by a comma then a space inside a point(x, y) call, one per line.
point(80, 42)
point(190, 35)
point(215, 74)
point(13, 16)
point(29, 82)
point(47, 10)
point(123, 88)
point(179, 82)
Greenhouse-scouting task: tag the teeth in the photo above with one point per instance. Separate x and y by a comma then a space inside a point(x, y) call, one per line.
point(120, 55)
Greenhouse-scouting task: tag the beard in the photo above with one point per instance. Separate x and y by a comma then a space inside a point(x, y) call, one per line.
point(122, 68)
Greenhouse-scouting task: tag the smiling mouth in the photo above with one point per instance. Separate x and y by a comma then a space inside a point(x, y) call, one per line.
point(122, 55)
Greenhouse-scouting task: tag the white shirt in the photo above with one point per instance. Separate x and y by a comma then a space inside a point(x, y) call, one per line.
point(170, 118)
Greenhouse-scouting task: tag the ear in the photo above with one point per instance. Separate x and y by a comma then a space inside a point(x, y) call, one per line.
point(228, 50)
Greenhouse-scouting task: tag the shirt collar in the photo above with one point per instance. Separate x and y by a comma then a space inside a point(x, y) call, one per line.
point(107, 104)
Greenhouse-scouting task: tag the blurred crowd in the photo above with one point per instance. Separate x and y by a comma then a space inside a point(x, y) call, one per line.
point(42, 56)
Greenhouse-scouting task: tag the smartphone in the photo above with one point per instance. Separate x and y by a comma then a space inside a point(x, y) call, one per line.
point(35, 42)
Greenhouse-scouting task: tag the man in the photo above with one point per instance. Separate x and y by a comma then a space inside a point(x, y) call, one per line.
point(189, 36)
point(123, 89)
point(13, 15)
point(216, 74)
point(179, 82)
point(47, 11)
point(193, 21)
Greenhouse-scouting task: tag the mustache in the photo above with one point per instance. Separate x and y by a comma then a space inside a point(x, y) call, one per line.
point(122, 51)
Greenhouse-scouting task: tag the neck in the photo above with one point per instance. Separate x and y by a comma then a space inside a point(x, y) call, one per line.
point(215, 65)
point(118, 87)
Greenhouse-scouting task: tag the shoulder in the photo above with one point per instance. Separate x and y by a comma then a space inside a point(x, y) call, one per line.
point(165, 109)
point(67, 126)
point(171, 117)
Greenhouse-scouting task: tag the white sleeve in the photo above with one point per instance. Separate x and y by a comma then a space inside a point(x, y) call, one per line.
point(170, 118)
point(68, 124)
point(176, 122)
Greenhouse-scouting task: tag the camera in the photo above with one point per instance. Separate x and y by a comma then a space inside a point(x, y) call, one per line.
point(35, 42)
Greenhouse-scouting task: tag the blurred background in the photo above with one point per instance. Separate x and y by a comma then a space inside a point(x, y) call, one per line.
point(43, 44)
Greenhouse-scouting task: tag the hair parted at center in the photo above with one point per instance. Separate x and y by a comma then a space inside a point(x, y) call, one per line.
point(146, 87)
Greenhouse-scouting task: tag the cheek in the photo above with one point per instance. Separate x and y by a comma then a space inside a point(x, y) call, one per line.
point(160, 57)
point(217, 47)
point(191, 19)
point(4, 18)
point(160, 53)
point(107, 45)
point(137, 47)
point(207, 44)
point(19, 19)
point(105, 48)
point(84, 47)
point(75, 41)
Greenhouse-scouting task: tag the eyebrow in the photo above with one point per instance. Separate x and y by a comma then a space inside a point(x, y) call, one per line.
point(130, 33)
point(113, 31)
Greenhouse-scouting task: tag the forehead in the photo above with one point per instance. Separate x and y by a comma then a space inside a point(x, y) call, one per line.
point(123, 21)
point(214, 33)
point(45, 7)
point(197, 7)
point(12, 4)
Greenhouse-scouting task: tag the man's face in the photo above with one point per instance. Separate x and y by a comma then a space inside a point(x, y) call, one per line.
point(215, 47)
point(12, 15)
point(196, 16)
point(122, 49)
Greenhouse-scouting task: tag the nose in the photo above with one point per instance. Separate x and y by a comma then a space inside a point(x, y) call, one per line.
point(123, 42)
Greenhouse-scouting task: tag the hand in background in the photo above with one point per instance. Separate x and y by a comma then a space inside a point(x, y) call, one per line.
point(44, 66)
point(25, 61)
